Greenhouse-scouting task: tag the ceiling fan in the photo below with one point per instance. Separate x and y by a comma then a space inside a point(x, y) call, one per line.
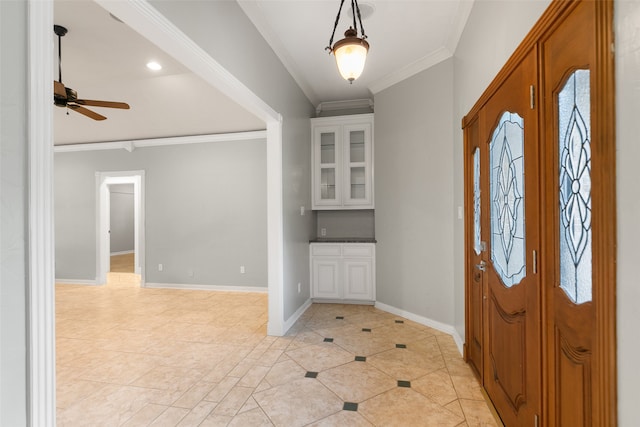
point(67, 97)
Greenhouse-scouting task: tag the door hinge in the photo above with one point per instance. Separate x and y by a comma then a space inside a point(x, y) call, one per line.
point(535, 262)
point(532, 96)
point(536, 421)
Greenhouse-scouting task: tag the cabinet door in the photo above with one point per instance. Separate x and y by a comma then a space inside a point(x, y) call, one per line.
point(358, 279)
point(357, 154)
point(327, 157)
point(326, 278)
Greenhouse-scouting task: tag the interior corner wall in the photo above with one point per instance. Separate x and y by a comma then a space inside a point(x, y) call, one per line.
point(13, 212)
point(414, 194)
point(122, 226)
point(493, 31)
point(252, 61)
point(205, 210)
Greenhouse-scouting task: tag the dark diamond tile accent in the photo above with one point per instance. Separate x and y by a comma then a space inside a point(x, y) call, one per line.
point(311, 374)
point(361, 359)
point(399, 321)
point(402, 383)
point(366, 329)
point(350, 406)
point(328, 340)
point(401, 346)
point(339, 317)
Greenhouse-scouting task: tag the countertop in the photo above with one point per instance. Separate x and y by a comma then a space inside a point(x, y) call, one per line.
point(343, 240)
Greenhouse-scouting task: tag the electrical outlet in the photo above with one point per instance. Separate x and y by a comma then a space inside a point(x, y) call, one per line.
point(299, 287)
point(160, 267)
point(242, 269)
point(301, 210)
point(323, 231)
point(190, 273)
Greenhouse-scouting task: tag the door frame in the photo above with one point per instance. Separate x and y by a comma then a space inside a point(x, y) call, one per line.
point(103, 220)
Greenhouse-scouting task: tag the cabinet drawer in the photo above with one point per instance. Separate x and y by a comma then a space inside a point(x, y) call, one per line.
point(324, 249)
point(357, 250)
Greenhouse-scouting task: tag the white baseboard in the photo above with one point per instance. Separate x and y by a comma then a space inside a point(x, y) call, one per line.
point(295, 316)
point(87, 282)
point(122, 253)
point(442, 327)
point(197, 287)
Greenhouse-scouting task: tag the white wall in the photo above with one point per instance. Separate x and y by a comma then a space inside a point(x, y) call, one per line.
point(212, 25)
point(205, 208)
point(13, 212)
point(628, 146)
point(414, 194)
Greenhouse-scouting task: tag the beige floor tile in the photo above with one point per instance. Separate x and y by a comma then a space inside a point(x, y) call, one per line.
point(145, 416)
point(437, 386)
point(197, 414)
point(298, 403)
point(405, 364)
point(214, 420)
point(254, 418)
point(478, 414)
point(405, 407)
point(233, 401)
point(467, 387)
point(284, 372)
point(356, 381)
point(319, 357)
point(364, 343)
point(221, 389)
point(254, 376)
point(342, 418)
point(170, 418)
point(72, 391)
point(194, 395)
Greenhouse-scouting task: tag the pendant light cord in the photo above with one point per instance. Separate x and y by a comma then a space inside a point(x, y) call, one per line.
point(357, 10)
point(335, 25)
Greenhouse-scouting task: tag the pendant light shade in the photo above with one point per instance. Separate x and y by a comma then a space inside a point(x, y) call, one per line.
point(351, 55)
point(351, 51)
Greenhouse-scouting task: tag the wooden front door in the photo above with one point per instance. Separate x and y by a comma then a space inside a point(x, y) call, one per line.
point(545, 133)
point(508, 133)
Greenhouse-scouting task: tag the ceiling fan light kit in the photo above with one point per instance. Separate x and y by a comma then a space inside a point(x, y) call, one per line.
point(66, 97)
point(350, 52)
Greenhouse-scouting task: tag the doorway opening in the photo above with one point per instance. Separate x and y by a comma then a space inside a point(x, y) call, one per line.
point(106, 182)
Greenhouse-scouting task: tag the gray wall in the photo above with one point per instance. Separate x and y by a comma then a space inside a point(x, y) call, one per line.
point(210, 24)
point(347, 223)
point(205, 208)
point(414, 194)
point(122, 225)
point(13, 212)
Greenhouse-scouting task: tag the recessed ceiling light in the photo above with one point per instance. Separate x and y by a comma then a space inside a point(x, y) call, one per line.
point(154, 66)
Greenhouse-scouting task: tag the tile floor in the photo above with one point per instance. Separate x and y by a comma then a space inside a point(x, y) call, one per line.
point(130, 356)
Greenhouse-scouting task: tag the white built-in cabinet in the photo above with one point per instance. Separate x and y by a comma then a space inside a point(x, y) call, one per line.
point(343, 271)
point(342, 159)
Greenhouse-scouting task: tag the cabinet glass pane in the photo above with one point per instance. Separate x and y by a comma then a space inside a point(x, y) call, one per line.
point(356, 146)
point(327, 148)
point(506, 156)
point(357, 183)
point(574, 120)
point(328, 183)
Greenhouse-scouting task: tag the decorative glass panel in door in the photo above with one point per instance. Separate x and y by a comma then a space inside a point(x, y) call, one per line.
point(357, 180)
point(477, 238)
point(506, 157)
point(574, 127)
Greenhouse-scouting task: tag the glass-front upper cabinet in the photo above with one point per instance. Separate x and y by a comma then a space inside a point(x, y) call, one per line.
point(342, 159)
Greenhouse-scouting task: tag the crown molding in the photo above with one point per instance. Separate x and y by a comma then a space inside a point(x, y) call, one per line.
point(412, 69)
point(131, 145)
point(344, 105)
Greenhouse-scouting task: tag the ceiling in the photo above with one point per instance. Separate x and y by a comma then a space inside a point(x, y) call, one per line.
point(104, 59)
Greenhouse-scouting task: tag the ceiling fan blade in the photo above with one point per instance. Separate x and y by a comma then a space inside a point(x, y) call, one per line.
point(108, 104)
point(85, 111)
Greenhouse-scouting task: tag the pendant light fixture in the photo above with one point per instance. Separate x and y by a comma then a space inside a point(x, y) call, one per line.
point(351, 51)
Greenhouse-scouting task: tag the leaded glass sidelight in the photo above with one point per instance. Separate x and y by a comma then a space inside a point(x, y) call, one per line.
point(574, 127)
point(506, 157)
point(477, 245)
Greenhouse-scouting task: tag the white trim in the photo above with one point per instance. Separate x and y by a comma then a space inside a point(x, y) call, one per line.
point(122, 253)
point(146, 20)
point(275, 229)
point(295, 316)
point(41, 374)
point(199, 287)
point(86, 282)
point(132, 144)
point(344, 105)
point(414, 68)
point(442, 327)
